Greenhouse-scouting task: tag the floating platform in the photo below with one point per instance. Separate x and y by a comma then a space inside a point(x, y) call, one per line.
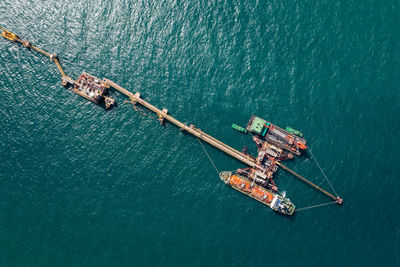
point(93, 89)
point(276, 135)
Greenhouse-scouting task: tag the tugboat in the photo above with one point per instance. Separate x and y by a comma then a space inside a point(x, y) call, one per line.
point(239, 128)
point(294, 131)
point(267, 197)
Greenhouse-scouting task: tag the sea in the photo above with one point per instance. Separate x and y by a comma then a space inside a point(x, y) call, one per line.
point(83, 186)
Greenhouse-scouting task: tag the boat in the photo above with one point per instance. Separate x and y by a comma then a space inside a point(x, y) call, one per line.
point(267, 197)
point(239, 128)
point(294, 131)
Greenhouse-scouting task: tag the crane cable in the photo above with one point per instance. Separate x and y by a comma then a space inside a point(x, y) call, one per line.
point(315, 206)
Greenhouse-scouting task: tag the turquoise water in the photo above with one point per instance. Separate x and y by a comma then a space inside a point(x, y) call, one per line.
point(81, 186)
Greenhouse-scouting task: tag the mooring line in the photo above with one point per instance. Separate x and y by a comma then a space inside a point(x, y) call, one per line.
point(323, 173)
point(141, 111)
point(215, 167)
point(315, 206)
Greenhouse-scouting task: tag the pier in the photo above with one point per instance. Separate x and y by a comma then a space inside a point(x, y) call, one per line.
point(96, 91)
point(163, 115)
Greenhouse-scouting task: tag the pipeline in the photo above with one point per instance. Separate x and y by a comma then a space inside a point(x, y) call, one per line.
point(55, 60)
point(135, 98)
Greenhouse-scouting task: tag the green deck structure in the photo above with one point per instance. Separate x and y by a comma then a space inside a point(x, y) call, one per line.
point(258, 126)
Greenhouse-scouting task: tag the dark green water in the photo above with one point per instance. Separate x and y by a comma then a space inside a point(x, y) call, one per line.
point(81, 186)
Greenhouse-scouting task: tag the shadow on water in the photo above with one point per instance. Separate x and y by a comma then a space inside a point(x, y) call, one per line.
point(305, 154)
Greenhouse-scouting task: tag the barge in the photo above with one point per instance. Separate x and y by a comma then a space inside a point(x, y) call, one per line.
point(276, 135)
